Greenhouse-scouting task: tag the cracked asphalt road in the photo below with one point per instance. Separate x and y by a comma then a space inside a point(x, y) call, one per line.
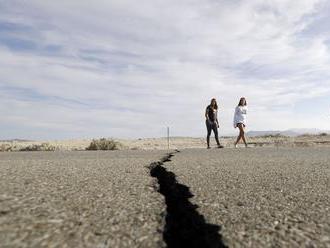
point(79, 199)
point(259, 197)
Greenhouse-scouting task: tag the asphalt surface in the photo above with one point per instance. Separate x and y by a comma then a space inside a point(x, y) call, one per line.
point(260, 197)
point(257, 197)
point(79, 199)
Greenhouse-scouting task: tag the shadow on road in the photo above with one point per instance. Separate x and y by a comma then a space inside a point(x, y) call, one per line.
point(184, 227)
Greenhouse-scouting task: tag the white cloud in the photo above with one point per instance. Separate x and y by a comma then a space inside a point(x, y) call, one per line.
point(131, 69)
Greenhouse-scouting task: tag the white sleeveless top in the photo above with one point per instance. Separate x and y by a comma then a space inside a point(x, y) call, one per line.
point(240, 115)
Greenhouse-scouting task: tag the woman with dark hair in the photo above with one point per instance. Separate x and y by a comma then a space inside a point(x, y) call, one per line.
point(240, 120)
point(211, 115)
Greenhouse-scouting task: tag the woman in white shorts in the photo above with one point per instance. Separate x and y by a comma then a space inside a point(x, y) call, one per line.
point(240, 120)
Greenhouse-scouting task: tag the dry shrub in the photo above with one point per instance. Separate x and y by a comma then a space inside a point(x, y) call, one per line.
point(276, 135)
point(103, 144)
point(302, 144)
point(278, 143)
point(305, 135)
point(42, 147)
point(5, 148)
point(308, 135)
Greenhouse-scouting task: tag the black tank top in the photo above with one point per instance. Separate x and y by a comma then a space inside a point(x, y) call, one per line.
point(211, 113)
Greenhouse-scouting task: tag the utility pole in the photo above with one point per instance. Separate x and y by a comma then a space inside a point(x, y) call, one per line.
point(168, 138)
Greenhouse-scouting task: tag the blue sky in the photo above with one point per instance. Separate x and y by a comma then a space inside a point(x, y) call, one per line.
point(121, 68)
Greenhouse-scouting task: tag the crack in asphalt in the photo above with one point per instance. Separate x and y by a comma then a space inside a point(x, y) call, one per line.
point(184, 226)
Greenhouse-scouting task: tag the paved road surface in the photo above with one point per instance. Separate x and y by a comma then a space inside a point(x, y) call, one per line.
point(258, 197)
point(261, 197)
point(79, 199)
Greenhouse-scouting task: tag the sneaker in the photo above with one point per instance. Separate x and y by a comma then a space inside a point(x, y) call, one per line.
point(208, 147)
point(220, 146)
point(235, 145)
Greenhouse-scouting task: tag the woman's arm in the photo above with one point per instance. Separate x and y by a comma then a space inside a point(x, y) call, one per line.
point(235, 117)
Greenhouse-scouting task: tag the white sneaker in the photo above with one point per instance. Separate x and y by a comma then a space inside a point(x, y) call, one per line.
point(235, 145)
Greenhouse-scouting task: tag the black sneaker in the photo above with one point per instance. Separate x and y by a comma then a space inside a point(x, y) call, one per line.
point(220, 146)
point(208, 147)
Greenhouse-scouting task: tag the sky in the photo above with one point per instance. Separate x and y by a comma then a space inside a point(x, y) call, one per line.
point(128, 69)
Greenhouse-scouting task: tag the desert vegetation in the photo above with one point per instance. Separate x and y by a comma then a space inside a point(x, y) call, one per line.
point(6, 148)
point(15, 147)
point(103, 144)
point(45, 147)
point(308, 135)
point(270, 140)
point(277, 135)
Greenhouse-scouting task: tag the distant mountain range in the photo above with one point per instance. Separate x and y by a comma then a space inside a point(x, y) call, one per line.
point(15, 140)
point(289, 132)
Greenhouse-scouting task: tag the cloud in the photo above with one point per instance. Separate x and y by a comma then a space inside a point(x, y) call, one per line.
point(118, 68)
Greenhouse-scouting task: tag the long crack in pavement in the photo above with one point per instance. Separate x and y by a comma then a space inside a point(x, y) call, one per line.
point(184, 226)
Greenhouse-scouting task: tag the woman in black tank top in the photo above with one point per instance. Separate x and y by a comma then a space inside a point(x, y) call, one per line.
point(211, 115)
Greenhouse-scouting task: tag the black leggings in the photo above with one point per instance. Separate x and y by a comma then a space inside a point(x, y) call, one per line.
point(212, 126)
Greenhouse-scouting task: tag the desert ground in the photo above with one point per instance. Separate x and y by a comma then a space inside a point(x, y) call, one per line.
point(175, 143)
point(254, 197)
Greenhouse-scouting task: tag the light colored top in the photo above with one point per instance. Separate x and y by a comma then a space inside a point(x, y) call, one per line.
point(240, 115)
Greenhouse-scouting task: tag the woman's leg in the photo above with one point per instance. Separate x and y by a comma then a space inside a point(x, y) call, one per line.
point(209, 129)
point(239, 135)
point(215, 130)
point(242, 133)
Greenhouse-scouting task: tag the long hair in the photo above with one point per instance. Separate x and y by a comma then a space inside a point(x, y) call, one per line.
point(215, 105)
point(242, 102)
